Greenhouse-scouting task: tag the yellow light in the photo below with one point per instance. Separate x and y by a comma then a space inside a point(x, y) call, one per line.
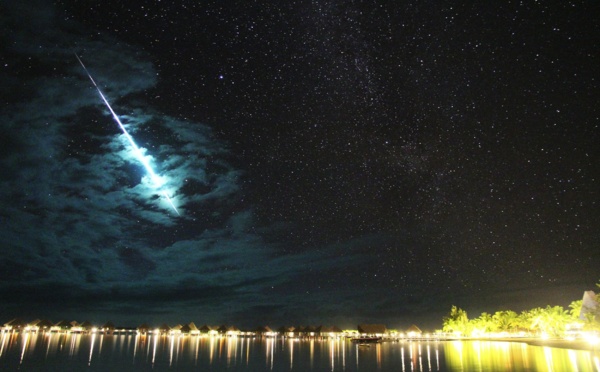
point(592, 338)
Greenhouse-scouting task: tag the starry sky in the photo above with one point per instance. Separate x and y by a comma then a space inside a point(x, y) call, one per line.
point(333, 162)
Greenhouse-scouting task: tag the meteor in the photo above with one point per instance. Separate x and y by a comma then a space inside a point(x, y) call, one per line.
point(136, 150)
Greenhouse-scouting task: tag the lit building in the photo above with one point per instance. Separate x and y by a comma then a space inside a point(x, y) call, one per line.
point(209, 330)
point(413, 331)
point(287, 331)
point(163, 329)
point(229, 331)
point(329, 332)
point(14, 325)
point(143, 329)
point(372, 330)
point(108, 328)
point(60, 327)
point(86, 327)
point(589, 305)
point(265, 331)
point(176, 330)
point(192, 329)
point(39, 325)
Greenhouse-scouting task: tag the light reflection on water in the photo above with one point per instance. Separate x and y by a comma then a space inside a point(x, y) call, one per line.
point(31, 351)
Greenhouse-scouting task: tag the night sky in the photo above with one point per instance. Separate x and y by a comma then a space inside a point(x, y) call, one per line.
point(334, 162)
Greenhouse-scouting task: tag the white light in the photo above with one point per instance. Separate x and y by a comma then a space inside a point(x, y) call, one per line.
point(158, 182)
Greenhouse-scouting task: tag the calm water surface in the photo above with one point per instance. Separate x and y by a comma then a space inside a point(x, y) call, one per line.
point(62, 352)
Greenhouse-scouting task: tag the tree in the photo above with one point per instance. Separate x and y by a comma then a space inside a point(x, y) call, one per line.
point(484, 324)
point(506, 321)
point(575, 307)
point(528, 319)
point(551, 320)
point(456, 321)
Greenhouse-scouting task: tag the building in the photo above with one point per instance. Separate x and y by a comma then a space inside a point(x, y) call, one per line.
point(39, 325)
point(209, 330)
point(287, 331)
point(330, 332)
point(108, 328)
point(228, 330)
point(589, 305)
point(87, 327)
point(372, 330)
point(192, 329)
point(60, 327)
point(305, 331)
point(14, 325)
point(413, 331)
point(265, 331)
point(176, 330)
point(143, 329)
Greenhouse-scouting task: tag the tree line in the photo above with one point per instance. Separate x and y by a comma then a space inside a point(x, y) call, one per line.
point(553, 321)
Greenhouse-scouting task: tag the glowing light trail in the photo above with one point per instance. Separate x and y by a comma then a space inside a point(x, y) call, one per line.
point(138, 153)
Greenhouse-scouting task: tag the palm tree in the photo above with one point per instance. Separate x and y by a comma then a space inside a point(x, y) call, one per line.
point(456, 321)
point(526, 320)
point(506, 321)
point(575, 307)
point(484, 324)
point(551, 320)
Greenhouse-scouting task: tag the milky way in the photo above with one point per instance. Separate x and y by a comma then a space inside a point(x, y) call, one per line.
point(338, 161)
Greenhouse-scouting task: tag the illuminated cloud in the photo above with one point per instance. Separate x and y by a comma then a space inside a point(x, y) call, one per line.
point(84, 229)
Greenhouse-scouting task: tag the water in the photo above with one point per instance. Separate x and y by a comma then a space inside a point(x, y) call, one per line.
point(76, 352)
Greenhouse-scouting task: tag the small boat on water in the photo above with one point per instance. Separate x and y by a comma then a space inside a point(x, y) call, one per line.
point(366, 340)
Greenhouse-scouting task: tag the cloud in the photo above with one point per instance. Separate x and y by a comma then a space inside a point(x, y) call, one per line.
point(84, 228)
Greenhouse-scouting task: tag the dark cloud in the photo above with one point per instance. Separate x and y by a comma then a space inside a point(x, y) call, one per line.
point(83, 225)
point(86, 232)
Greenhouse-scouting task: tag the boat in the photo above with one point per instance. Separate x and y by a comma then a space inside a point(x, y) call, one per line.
point(366, 340)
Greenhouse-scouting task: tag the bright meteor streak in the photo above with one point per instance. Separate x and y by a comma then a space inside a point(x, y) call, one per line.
point(138, 153)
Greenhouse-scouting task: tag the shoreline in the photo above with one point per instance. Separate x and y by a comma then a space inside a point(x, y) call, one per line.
point(556, 343)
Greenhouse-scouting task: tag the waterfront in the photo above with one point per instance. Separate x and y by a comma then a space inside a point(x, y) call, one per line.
point(96, 352)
